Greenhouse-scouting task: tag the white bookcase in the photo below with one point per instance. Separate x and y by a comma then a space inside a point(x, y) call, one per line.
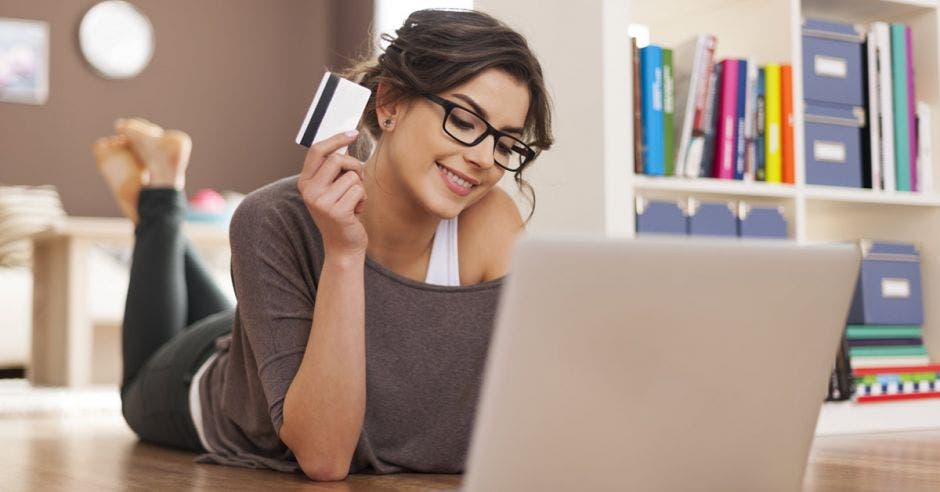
point(587, 184)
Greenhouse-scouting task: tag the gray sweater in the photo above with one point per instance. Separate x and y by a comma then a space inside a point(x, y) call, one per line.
point(425, 350)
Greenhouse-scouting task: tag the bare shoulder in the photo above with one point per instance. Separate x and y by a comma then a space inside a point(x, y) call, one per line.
point(487, 231)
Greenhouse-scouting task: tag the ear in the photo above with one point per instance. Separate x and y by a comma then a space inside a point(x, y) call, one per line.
point(387, 109)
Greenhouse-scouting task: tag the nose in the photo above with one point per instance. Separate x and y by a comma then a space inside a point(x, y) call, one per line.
point(482, 154)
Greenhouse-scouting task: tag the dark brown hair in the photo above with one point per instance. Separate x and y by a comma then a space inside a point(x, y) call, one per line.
point(436, 50)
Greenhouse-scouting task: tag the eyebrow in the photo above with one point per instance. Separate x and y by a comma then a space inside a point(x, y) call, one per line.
point(482, 112)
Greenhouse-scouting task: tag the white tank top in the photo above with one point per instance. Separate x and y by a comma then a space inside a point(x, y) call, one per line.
point(444, 269)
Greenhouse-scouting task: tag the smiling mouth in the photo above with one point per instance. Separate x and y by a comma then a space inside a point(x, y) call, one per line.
point(457, 180)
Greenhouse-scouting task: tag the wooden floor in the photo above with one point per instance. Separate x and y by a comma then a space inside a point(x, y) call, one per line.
point(100, 453)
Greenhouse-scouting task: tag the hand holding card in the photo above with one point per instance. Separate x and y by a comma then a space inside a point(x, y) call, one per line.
point(336, 108)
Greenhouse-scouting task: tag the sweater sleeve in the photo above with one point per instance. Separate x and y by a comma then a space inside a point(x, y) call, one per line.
point(274, 283)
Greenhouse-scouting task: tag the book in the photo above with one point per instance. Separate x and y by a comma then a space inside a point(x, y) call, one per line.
point(885, 105)
point(750, 123)
point(786, 124)
point(885, 342)
point(741, 118)
point(725, 144)
point(887, 351)
point(651, 81)
point(924, 159)
point(637, 111)
point(876, 361)
point(911, 108)
point(760, 116)
point(916, 369)
point(712, 112)
point(772, 129)
point(873, 163)
point(691, 60)
point(669, 148)
point(854, 332)
point(902, 138)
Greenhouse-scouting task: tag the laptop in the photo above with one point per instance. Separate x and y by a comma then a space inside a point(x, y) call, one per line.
point(659, 364)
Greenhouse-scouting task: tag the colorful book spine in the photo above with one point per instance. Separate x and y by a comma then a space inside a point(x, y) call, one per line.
point(774, 166)
point(712, 113)
point(669, 110)
point(911, 108)
point(750, 124)
point(760, 144)
point(887, 351)
point(901, 130)
point(856, 332)
point(786, 134)
point(874, 113)
point(637, 110)
point(725, 145)
point(651, 75)
point(886, 105)
point(740, 131)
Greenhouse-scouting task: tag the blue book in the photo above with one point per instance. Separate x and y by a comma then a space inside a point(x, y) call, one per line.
point(651, 80)
point(739, 133)
point(761, 117)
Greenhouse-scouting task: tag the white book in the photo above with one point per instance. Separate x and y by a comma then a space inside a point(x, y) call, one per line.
point(885, 105)
point(874, 121)
point(924, 159)
point(687, 60)
point(881, 361)
point(750, 122)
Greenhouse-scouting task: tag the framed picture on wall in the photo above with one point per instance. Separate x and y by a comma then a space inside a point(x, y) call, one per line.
point(24, 61)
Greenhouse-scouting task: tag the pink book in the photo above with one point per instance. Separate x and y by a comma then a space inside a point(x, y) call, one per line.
point(911, 108)
point(725, 148)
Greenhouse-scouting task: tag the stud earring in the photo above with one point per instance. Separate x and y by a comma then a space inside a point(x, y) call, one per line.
point(388, 123)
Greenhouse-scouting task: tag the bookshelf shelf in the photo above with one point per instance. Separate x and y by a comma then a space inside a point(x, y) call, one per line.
point(851, 418)
point(836, 194)
point(734, 189)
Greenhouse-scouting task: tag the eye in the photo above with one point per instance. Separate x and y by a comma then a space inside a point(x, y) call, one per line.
point(503, 148)
point(462, 124)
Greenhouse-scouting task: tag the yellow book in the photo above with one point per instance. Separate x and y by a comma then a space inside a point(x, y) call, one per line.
point(773, 124)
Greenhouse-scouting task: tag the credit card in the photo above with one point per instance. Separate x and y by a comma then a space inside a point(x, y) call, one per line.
point(336, 108)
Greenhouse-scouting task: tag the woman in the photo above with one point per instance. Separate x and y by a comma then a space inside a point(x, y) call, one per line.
point(359, 337)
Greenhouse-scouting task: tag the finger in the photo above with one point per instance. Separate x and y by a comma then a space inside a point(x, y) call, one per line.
point(350, 200)
point(336, 190)
point(334, 166)
point(320, 150)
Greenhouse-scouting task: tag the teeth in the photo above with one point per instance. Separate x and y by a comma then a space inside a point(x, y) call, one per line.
point(457, 179)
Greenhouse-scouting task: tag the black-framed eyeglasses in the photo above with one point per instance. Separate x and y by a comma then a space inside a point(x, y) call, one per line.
point(469, 128)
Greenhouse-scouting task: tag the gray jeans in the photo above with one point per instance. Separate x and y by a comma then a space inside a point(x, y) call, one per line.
point(174, 314)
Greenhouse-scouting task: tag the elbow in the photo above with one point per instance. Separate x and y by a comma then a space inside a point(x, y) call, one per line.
point(323, 470)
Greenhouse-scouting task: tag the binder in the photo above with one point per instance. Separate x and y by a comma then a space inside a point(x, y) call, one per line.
point(901, 129)
point(651, 75)
point(786, 116)
point(774, 165)
point(726, 144)
point(669, 148)
point(874, 114)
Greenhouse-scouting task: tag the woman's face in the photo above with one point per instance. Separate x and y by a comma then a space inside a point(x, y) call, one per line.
point(424, 158)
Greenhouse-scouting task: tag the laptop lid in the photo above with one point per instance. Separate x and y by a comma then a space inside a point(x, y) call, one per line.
point(659, 364)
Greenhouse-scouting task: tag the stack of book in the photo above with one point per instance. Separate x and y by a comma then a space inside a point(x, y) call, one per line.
point(698, 117)
point(897, 383)
point(874, 346)
point(899, 126)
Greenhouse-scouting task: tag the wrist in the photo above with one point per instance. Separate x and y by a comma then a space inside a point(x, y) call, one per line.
point(345, 261)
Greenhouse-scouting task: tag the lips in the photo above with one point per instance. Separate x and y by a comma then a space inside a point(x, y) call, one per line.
point(472, 181)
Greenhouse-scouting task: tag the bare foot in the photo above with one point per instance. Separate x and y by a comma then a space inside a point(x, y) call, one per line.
point(164, 153)
point(122, 171)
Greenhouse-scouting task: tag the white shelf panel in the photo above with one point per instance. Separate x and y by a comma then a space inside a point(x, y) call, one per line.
point(713, 186)
point(841, 194)
point(851, 418)
point(866, 10)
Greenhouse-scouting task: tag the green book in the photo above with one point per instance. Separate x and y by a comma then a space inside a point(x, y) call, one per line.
point(857, 332)
point(887, 351)
point(902, 163)
point(669, 110)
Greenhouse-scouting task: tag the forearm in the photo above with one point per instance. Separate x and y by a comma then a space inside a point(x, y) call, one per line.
point(325, 404)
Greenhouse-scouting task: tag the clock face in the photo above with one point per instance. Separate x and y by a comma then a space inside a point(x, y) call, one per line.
point(116, 39)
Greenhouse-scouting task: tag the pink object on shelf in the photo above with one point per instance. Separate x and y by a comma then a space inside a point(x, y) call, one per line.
point(725, 153)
